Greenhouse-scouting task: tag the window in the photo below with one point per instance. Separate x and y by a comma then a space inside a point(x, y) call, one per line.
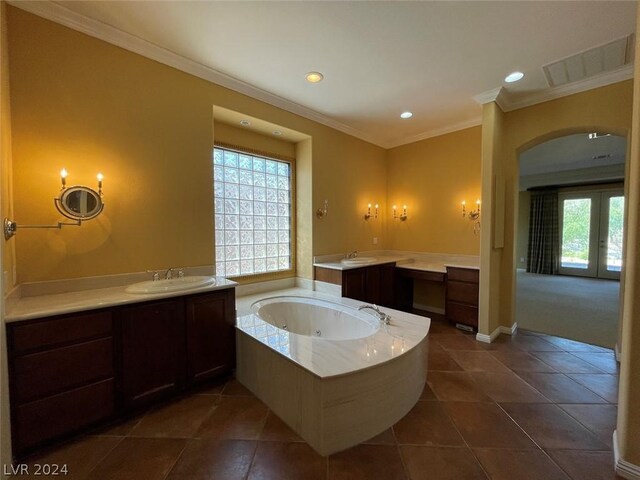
point(252, 213)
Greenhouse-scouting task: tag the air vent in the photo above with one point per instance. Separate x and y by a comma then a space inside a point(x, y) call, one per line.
point(604, 58)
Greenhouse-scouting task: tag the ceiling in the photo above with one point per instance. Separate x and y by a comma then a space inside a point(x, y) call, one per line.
point(378, 58)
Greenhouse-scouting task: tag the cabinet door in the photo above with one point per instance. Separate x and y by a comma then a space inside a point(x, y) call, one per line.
point(354, 284)
point(372, 285)
point(211, 340)
point(388, 285)
point(153, 351)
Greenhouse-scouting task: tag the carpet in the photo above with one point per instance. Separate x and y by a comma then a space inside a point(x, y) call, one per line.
point(582, 309)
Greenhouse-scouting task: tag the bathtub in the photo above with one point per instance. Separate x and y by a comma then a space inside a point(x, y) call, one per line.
point(336, 375)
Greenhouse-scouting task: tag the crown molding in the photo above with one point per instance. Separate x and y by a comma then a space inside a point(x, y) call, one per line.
point(474, 122)
point(507, 103)
point(94, 28)
point(57, 13)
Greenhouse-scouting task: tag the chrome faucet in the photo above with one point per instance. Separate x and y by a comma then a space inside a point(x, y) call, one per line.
point(383, 317)
point(353, 254)
point(169, 274)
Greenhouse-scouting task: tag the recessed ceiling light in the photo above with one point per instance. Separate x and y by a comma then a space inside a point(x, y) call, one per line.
point(277, 132)
point(406, 115)
point(314, 77)
point(246, 123)
point(513, 77)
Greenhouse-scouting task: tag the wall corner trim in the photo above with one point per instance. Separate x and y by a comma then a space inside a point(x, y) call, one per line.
point(509, 330)
point(623, 468)
point(484, 338)
point(618, 352)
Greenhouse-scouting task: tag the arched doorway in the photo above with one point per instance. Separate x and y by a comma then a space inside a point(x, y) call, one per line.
point(570, 232)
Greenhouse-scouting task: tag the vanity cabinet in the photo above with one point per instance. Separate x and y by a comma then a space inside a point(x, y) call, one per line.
point(374, 284)
point(61, 375)
point(462, 292)
point(211, 345)
point(70, 372)
point(152, 351)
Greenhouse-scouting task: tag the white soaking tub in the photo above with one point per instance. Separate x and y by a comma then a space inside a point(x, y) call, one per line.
point(335, 375)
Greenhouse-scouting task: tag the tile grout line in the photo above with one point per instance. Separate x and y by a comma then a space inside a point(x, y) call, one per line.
point(104, 456)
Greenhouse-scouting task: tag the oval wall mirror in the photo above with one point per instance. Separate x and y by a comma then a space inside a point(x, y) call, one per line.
point(79, 203)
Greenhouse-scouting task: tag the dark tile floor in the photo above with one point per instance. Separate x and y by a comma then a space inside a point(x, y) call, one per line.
point(529, 407)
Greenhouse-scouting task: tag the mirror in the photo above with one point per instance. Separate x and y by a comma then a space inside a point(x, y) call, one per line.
point(79, 203)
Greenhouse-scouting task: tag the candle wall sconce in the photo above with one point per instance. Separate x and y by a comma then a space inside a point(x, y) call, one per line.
point(473, 214)
point(322, 212)
point(368, 215)
point(78, 203)
point(403, 216)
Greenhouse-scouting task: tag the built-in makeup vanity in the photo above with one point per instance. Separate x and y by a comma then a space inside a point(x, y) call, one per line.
point(81, 358)
point(387, 279)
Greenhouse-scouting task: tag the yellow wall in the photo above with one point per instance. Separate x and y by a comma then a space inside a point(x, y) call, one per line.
point(89, 106)
point(6, 254)
point(243, 137)
point(432, 177)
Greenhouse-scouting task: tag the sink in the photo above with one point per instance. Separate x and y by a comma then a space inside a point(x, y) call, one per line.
point(358, 260)
point(171, 285)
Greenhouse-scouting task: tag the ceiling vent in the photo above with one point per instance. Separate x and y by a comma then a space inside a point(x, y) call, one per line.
point(590, 63)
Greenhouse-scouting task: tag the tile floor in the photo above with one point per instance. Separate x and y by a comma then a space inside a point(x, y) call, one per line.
point(527, 407)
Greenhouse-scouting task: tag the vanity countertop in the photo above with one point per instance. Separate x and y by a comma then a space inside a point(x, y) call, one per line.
point(380, 260)
point(434, 267)
point(39, 306)
point(407, 262)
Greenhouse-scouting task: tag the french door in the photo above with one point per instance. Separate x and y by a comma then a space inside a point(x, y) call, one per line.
point(591, 233)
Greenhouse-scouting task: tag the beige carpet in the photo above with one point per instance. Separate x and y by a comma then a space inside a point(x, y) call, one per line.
point(583, 309)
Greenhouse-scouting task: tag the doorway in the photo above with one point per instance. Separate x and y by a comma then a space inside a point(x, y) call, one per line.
point(591, 233)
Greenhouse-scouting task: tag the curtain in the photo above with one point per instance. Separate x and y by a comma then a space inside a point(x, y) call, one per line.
point(544, 236)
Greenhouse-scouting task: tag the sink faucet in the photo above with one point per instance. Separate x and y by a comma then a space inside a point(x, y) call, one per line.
point(169, 274)
point(383, 317)
point(353, 254)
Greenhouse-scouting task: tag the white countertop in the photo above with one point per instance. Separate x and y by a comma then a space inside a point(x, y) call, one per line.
point(401, 262)
point(328, 358)
point(380, 260)
point(26, 308)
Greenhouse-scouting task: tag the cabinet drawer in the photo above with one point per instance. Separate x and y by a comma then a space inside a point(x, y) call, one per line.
point(463, 274)
point(462, 292)
point(37, 422)
point(65, 330)
point(456, 312)
point(52, 371)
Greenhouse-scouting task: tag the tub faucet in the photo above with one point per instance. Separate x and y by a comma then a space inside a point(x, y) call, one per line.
point(169, 274)
point(353, 254)
point(383, 317)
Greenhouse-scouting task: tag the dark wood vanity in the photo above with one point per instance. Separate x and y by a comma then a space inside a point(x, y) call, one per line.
point(392, 287)
point(70, 372)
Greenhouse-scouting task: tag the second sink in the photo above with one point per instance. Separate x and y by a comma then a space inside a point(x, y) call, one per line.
point(170, 285)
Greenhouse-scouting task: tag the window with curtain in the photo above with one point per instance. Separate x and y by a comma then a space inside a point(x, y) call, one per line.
point(543, 247)
point(253, 209)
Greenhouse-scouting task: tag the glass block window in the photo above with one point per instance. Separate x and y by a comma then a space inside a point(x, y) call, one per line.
point(252, 213)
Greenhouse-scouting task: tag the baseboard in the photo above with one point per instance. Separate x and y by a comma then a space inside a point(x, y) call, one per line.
point(509, 330)
point(428, 308)
point(623, 468)
point(305, 283)
point(618, 353)
point(327, 288)
point(481, 337)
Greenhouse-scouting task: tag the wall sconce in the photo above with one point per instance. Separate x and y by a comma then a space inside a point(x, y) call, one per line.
point(322, 212)
point(403, 216)
point(76, 203)
point(473, 214)
point(367, 215)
